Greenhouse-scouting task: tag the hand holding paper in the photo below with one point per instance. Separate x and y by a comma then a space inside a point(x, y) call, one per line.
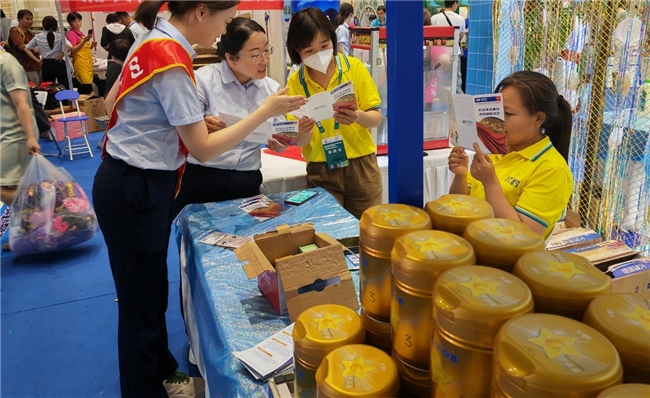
point(322, 106)
point(482, 168)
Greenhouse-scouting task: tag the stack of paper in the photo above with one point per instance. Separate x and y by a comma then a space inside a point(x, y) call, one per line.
point(270, 357)
point(261, 207)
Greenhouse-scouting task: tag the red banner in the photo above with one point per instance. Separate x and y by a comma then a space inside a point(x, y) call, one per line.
point(131, 5)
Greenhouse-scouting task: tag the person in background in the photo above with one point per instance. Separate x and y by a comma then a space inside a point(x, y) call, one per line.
point(49, 44)
point(371, 18)
point(19, 37)
point(342, 25)
point(353, 179)
point(17, 126)
point(5, 26)
point(427, 17)
point(126, 20)
point(532, 183)
point(236, 85)
point(112, 31)
point(381, 17)
point(156, 114)
point(449, 17)
point(119, 50)
point(82, 59)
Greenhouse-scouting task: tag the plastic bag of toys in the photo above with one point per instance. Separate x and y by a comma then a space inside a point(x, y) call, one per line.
point(50, 211)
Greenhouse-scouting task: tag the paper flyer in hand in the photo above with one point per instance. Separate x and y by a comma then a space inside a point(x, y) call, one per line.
point(322, 106)
point(285, 132)
point(480, 119)
point(270, 356)
point(261, 207)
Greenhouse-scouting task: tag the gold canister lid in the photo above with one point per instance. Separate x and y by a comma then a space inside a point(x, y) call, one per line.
point(631, 390)
point(549, 355)
point(624, 318)
point(453, 213)
point(471, 303)
point(499, 242)
point(381, 225)
point(555, 276)
point(357, 370)
point(323, 328)
point(419, 257)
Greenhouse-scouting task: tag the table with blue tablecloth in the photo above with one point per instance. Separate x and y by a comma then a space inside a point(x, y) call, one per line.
point(225, 311)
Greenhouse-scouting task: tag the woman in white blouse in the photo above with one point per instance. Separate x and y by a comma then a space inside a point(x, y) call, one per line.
point(236, 85)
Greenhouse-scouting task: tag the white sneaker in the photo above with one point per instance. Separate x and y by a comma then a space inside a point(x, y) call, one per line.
point(191, 357)
point(180, 385)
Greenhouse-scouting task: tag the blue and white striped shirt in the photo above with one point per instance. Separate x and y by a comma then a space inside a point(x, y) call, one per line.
point(145, 135)
point(220, 91)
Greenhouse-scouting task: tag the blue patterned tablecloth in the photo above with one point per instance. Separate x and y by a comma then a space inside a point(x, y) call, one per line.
point(231, 313)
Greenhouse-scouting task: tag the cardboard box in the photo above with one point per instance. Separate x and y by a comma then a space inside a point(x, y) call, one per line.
point(573, 238)
point(94, 107)
point(631, 276)
point(299, 281)
point(74, 128)
point(605, 253)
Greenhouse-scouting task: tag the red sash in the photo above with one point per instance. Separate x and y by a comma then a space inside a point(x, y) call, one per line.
point(151, 57)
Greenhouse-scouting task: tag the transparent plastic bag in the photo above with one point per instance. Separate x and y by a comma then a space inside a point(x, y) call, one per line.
point(50, 211)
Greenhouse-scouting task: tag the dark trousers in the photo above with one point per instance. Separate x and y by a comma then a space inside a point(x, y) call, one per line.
point(55, 71)
point(82, 88)
point(463, 72)
point(202, 184)
point(133, 208)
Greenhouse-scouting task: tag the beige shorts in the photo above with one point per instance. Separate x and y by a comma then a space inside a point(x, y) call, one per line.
point(14, 162)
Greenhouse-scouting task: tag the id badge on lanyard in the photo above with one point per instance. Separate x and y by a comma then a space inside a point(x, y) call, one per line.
point(333, 147)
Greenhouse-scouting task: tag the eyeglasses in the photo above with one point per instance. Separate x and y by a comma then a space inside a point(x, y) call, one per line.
point(266, 54)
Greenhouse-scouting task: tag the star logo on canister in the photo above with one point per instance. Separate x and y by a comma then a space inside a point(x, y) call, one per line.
point(640, 315)
point(455, 205)
point(327, 322)
point(358, 368)
point(438, 374)
point(505, 231)
point(432, 245)
point(554, 345)
point(394, 215)
point(567, 269)
point(479, 287)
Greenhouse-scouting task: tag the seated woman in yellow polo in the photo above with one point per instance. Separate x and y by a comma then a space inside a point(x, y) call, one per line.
point(532, 183)
point(340, 152)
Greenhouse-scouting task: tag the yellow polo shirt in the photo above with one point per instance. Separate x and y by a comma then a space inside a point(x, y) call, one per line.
point(357, 139)
point(536, 181)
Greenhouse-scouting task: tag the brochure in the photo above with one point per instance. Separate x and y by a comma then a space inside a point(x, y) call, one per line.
point(285, 132)
point(322, 106)
point(480, 119)
point(222, 239)
point(261, 207)
point(269, 357)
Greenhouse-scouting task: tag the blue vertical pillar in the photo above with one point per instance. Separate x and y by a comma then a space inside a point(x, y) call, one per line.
point(406, 98)
point(480, 48)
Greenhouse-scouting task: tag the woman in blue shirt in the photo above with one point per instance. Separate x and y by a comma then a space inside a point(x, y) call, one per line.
point(156, 114)
point(236, 85)
point(342, 24)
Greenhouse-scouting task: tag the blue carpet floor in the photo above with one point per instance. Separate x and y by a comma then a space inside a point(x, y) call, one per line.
point(59, 316)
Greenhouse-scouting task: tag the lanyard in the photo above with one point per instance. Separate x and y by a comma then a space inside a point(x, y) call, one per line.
point(306, 89)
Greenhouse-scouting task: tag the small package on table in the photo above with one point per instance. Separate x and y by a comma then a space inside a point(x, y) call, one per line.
point(294, 280)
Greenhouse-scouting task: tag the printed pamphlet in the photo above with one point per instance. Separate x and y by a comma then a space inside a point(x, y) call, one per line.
point(269, 357)
point(322, 106)
point(285, 132)
point(261, 207)
point(480, 119)
point(222, 239)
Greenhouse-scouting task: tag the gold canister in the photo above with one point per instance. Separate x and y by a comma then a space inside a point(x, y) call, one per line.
point(416, 382)
point(453, 213)
point(380, 226)
point(543, 355)
point(377, 332)
point(625, 320)
point(499, 242)
point(470, 304)
point(359, 371)
point(562, 283)
point(626, 391)
point(317, 332)
point(418, 258)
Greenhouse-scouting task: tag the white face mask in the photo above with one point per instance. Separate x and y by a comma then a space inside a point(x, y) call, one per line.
point(319, 61)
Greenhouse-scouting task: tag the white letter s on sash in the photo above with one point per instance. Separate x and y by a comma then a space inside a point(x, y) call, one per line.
point(136, 71)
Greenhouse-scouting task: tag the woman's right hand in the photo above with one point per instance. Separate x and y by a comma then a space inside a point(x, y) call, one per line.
point(214, 124)
point(458, 161)
point(279, 104)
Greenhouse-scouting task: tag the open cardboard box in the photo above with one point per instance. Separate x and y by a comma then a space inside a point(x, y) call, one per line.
point(298, 281)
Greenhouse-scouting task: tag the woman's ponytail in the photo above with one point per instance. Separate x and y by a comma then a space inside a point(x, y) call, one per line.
point(50, 39)
point(560, 132)
point(147, 12)
point(344, 12)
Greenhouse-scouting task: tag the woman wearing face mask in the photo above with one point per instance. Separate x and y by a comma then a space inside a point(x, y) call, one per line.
point(83, 58)
point(156, 114)
point(532, 183)
point(236, 85)
point(342, 23)
point(353, 178)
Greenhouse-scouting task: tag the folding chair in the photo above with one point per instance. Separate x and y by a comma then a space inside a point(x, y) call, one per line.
point(71, 95)
point(41, 97)
point(102, 121)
